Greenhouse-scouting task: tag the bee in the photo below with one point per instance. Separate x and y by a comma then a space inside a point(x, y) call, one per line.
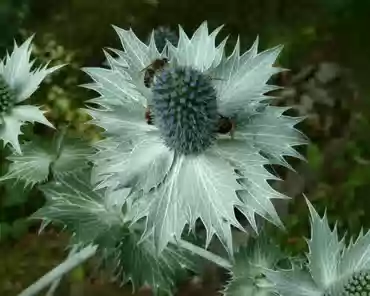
point(150, 71)
point(226, 125)
point(148, 116)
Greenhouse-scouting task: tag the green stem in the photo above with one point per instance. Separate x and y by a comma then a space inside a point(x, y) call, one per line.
point(60, 139)
point(63, 268)
point(205, 254)
point(58, 142)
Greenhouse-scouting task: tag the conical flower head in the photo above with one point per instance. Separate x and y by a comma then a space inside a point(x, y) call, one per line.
point(17, 83)
point(189, 135)
point(7, 97)
point(185, 109)
point(357, 284)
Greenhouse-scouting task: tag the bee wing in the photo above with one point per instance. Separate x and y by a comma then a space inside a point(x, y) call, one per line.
point(147, 67)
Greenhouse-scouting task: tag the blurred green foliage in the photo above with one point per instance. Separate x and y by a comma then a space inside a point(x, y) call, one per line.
point(342, 188)
point(12, 15)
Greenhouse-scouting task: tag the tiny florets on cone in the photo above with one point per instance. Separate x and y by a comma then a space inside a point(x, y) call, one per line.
point(7, 97)
point(358, 284)
point(185, 109)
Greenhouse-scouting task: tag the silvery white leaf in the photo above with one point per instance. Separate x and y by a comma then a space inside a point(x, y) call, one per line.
point(197, 187)
point(40, 157)
point(73, 201)
point(10, 129)
point(247, 270)
point(242, 79)
point(114, 85)
point(272, 132)
point(144, 165)
point(125, 121)
point(137, 53)
point(72, 157)
point(257, 193)
point(293, 282)
point(32, 166)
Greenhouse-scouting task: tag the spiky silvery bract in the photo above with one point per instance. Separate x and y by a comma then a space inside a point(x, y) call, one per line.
point(183, 168)
point(7, 97)
point(17, 83)
point(185, 109)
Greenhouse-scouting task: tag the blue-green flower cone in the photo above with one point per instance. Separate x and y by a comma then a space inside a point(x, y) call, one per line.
point(185, 109)
point(357, 285)
point(7, 97)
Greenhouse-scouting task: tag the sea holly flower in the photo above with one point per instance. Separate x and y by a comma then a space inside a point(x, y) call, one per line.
point(195, 143)
point(17, 83)
point(333, 269)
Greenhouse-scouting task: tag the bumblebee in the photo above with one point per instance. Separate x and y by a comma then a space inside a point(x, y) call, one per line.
point(225, 125)
point(148, 116)
point(150, 71)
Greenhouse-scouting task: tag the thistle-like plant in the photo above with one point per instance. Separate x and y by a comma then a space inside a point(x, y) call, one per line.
point(190, 144)
point(182, 160)
point(17, 83)
point(333, 269)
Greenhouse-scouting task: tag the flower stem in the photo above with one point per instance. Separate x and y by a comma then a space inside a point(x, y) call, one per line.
point(55, 284)
point(205, 254)
point(60, 270)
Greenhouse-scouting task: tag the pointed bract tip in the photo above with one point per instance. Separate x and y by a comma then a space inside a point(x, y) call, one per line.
point(256, 42)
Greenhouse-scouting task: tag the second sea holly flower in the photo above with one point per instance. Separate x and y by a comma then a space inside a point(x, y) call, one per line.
point(17, 83)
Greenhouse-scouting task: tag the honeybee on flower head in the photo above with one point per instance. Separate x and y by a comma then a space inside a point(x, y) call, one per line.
point(226, 125)
point(151, 70)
